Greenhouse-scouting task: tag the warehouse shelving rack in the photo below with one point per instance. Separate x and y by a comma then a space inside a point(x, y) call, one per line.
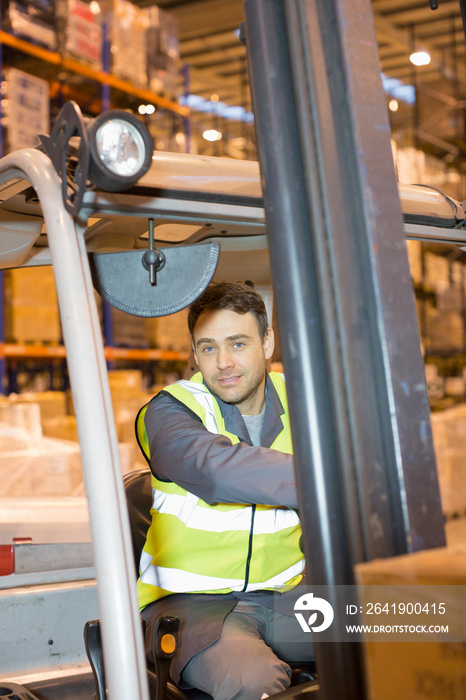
point(108, 82)
point(54, 358)
point(52, 353)
point(25, 350)
point(104, 78)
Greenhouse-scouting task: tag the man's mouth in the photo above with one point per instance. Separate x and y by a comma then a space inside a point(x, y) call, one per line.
point(225, 381)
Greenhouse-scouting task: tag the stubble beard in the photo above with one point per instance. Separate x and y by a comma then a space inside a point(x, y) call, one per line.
point(244, 393)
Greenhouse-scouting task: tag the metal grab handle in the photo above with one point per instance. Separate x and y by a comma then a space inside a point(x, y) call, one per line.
point(93, 644)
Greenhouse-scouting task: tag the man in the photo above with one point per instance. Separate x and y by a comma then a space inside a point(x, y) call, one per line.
point(223, 548)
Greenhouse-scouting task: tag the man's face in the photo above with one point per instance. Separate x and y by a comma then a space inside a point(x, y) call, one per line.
point(232, 357)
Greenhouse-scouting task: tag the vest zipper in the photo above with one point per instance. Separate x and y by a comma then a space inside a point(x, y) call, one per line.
point(248, 561)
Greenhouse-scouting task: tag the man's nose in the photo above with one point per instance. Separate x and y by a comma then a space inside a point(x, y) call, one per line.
point(224, 358)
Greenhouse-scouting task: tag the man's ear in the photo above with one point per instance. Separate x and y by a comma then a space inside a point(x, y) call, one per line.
point(194, 353)
point(269, 343)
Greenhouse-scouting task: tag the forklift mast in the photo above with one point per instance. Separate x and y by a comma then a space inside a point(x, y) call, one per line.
point(364, 454)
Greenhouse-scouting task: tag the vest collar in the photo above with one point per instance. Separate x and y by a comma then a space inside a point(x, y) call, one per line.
point(273, 410)
point(273, 425)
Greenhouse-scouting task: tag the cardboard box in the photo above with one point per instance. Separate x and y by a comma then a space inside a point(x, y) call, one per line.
point(444, 330)
point(449, 429)
point(53, 404)
point(125, 411)
point(433, 670)
point(125, 382)
point(31, 306)
point(30, 324)
point(451, 468)
point(127, 398)
point(33, 286)
point(62, 427)
point(414, 258)
point(128, 330)
point(449, 434)
point(169, 332)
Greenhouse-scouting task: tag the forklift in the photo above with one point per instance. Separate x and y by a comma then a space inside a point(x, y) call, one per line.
point(322, 220)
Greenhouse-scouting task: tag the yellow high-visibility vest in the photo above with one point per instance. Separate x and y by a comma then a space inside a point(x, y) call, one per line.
point(196, 547)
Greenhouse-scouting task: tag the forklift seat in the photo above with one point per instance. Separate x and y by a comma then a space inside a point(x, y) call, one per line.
point(138, 492)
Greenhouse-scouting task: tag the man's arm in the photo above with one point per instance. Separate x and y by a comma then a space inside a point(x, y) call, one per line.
point(210, 466)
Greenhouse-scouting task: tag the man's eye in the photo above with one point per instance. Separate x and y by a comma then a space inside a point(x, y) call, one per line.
point(238, 345)
point(208, 349)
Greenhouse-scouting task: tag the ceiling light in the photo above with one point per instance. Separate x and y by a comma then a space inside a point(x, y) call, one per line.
point(212, 135)
point(146, 109)
point(393, 105)
point(420, 58)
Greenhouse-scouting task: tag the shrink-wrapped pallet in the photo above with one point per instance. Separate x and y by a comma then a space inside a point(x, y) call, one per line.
point(127, 27)
point(80, 31)
point(34, 20)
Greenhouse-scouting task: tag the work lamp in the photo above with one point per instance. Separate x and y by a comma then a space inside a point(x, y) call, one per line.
point(110, 152)
point(121, 150)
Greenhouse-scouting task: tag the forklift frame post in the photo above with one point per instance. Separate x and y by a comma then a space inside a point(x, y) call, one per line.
point(122, 639)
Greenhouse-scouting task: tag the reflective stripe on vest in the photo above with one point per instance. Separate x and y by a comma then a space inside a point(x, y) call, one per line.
point(204, 399)
point(170, 579)
point(186, 509)
point(185, 549)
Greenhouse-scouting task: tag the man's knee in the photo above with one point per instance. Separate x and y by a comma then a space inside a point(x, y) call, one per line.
point(253, 681)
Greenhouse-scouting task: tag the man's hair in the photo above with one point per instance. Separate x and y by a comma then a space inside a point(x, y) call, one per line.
point(236, 296)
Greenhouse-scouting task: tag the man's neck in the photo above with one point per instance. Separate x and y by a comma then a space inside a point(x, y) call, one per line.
point(253, 405)
point(253, 409)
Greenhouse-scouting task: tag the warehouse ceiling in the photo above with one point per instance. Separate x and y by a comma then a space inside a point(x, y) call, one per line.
point(216, 61)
